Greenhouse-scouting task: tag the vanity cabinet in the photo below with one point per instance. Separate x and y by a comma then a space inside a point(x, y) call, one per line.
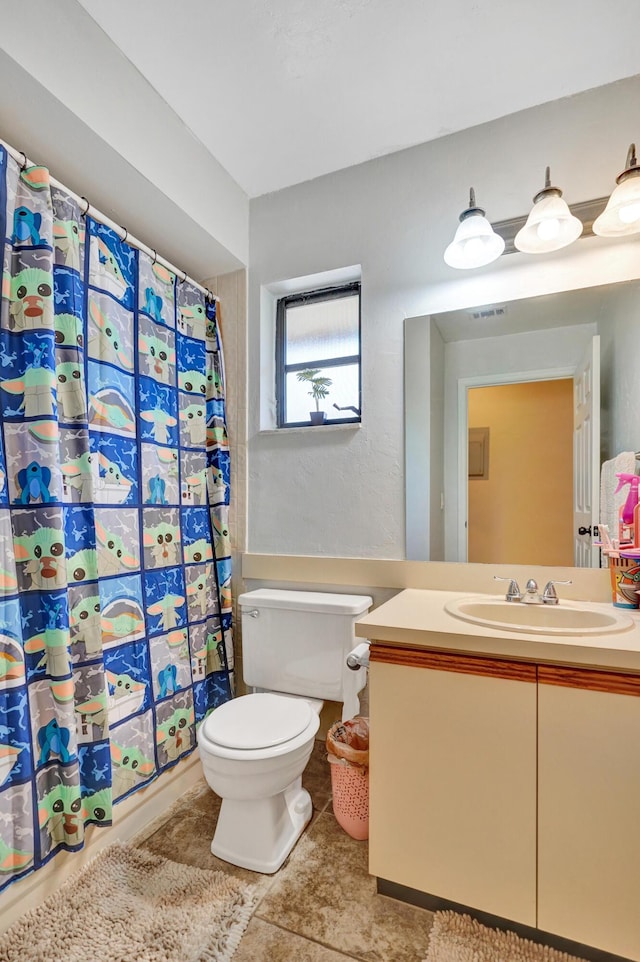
point(509, 787)
point(453, 778)
point(589, 807)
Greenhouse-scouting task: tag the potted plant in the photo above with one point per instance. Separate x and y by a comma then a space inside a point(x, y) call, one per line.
point(319, 390)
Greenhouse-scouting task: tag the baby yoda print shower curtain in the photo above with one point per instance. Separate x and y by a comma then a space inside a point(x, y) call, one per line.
point(115, 608)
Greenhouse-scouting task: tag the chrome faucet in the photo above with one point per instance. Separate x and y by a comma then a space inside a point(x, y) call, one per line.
point(513, 591)
point(549, 596)
point(531, 595)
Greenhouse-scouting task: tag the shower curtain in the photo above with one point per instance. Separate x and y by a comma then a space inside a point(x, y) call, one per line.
point(115, 607)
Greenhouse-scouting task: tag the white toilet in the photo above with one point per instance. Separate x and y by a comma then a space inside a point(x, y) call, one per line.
point(254, 748)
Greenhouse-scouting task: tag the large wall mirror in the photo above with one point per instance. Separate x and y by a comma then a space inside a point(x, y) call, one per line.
point(510, 410)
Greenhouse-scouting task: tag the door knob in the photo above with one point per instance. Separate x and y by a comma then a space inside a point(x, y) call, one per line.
point(583, 530)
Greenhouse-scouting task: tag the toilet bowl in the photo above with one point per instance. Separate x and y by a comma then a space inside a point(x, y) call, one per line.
point(253, 751)
point(254, 748)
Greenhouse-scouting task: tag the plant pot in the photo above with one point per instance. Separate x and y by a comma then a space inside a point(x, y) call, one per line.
point(317, 417)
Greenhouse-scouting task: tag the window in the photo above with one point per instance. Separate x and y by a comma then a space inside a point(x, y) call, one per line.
point(318, 357)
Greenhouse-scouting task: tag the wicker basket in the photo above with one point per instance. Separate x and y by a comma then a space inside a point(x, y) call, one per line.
point(350, 787)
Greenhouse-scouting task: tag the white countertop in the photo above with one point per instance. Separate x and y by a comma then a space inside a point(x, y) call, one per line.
point(417, 618)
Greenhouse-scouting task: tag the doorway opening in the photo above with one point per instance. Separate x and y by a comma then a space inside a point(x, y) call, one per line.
point(520, 484)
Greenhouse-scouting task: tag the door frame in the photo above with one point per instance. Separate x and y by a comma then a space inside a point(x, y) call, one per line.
point(486, 380)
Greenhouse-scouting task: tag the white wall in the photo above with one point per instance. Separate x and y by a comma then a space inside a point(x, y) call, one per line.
point(620, 358)
point(73, 102)
point(418, 439)
point(424, 432)
point(436, 447)
point(342, 493)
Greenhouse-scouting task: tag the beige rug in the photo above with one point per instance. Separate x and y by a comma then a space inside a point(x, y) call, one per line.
point(129, 905)
point(459, 938)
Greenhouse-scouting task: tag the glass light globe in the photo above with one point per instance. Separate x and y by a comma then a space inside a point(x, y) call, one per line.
point(630, 213)
point(550, 226)
point(548, 229)
point(621, 216)
point(474, 250)
point(475, 244)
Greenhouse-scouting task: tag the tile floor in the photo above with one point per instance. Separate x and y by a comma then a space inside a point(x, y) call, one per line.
point(322, 905)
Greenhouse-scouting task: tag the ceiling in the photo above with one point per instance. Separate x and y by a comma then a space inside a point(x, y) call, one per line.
point(282, 91)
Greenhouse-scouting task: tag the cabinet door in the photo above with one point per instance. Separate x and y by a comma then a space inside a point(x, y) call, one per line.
point(589, 810)
point(453, 778)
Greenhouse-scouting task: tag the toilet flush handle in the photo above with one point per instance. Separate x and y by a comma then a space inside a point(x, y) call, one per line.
point(253, 613)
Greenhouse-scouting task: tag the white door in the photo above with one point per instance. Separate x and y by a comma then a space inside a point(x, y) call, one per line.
point(586, 455)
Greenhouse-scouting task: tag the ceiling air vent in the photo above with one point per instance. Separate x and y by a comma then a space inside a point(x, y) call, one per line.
point(498, 310)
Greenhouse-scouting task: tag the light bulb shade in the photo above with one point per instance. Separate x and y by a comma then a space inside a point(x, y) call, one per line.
point(621, 216)
point(550, 226)
point(475, 243)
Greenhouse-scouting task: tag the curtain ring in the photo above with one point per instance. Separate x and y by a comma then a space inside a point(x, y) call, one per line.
point(184, 278)
point(126, 234)
point(155, 258)
point(24, 162)
point(86, 210)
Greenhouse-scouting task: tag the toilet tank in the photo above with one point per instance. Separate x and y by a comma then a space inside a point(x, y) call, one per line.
point(297, 641)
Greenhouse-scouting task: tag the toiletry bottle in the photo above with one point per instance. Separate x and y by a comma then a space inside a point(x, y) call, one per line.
point(626, 525)
point(636, 527)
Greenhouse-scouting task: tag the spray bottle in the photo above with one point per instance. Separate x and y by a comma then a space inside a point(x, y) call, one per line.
point(628, 519)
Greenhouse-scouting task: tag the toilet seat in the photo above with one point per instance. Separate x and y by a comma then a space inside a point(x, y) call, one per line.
point(257, 721)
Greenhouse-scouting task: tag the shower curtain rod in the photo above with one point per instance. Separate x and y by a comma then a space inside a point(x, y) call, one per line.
point(21, 158)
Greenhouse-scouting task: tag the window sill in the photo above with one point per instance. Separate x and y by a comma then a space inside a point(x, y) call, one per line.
point(353, 426)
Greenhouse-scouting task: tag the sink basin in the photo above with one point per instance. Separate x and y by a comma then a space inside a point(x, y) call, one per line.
point(562, 619)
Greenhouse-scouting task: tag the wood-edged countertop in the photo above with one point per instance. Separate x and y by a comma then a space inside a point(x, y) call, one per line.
point(417, 618)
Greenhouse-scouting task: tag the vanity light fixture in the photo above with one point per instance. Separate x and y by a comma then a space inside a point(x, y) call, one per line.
point(476, 242)
point(550, 226)
point(621, 216)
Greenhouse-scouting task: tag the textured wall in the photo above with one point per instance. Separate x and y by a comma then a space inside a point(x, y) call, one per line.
point(342, 493)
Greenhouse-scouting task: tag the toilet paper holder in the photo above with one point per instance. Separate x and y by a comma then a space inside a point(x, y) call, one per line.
point(359, 657)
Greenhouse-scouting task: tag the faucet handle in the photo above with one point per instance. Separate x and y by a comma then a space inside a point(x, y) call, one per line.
point(549, 596)
point(513, 591)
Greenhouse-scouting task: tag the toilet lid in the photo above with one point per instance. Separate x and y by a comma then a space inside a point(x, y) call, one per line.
point(257, 721)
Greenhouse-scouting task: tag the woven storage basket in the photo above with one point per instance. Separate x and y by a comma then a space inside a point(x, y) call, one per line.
point(350, 787)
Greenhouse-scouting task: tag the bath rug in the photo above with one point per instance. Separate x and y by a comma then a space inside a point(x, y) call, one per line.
point(129, 905)
point(459, 938)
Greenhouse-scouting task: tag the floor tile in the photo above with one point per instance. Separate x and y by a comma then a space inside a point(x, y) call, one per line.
point(326, 894)
point(186, 837)
point(322, 905)
point(185, 803)
point(270, 943)
point(208, 802)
